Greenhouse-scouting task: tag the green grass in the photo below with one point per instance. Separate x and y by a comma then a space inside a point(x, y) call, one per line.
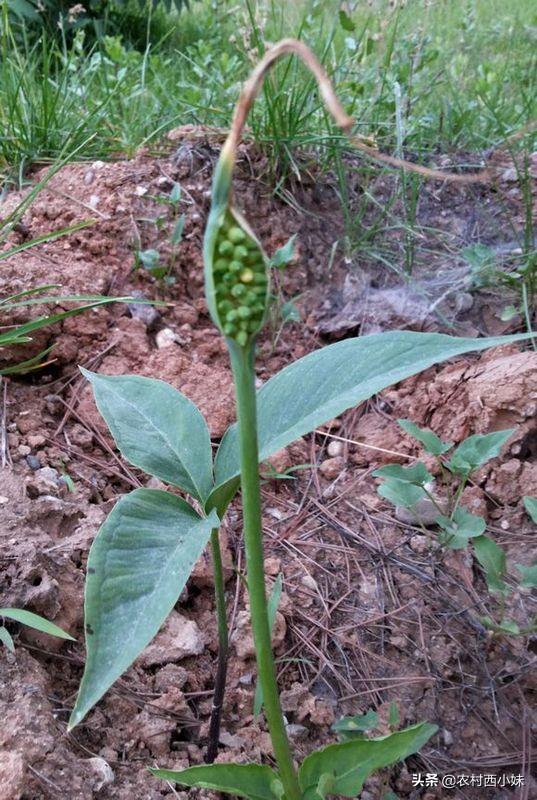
point(464, 73)
point(421, 79)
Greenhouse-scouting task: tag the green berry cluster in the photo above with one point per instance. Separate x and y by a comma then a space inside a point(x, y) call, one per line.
point(240, 280)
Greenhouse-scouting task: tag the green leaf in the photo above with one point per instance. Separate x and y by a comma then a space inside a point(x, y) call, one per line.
point(137, 568)
point(477, 450)
point(272, 607)
point(492, 558)
point(345, 21)
point(530, 504)
point(157, 429)
point(32, 620)
point(529, 576)
point(177, 233)
point(400, 493)
point(283, 255)
point(352, 727)
point(323, 384)
point(351, 763)
point(430, 441)
point(244, 780)
point(417, 474)
point(394, 717)
point(6, 639)
point(461, 527)
point(505, 626)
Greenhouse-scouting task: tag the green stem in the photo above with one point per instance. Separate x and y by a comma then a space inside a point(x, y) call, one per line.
point(242, 364)
point(223, 648)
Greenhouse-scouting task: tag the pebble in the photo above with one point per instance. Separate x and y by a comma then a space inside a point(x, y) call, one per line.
point(424, 512)
point(104, 774)
point(3, 500)
point(145, 312)
point(331, 468)
point(165, 338)
point(36, 440)
point(335, 448)
point(296, 732)
point(33, 462)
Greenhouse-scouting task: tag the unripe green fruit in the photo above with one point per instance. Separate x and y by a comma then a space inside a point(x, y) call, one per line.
point(240, 252)
point(244, 312)
point(242, 338)
point(231, 316)
point(225, 248)
point(246, 275)
point(236, 235)
point(235, 266)
point(239, 290)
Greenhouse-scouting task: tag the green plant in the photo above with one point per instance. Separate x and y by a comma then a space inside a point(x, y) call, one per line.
point(31, 620)
point(412, 487)
point(144, 552)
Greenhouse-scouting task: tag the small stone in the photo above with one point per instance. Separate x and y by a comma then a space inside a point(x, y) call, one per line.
point(296, 732)
point(246, 679)
point(230, 740)
point(179, 638)
point(33, 462)
point(45, 481)
point(89, 177)
point(335, 448)
point(331, 468)
point(94, 200)
point(424, 512)
point(146, 312)
point(140, 191)
point(447, 736)
point(165, 338)
point(103, 772)
point(155, 483)
point(309, 582)
point(24, 450)
point(3, 500)
point(81, 437)
point(419, 543)
point(171, 676)
point(36, 440)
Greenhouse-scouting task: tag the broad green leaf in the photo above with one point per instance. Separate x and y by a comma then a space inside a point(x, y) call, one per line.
point(477, 450)
point(400, 493)
point(6, 639)
point(530, 504)
point(353, 727)
point(461, 527)
point(394, 717)
point(323, 384)
point(244, 780)
point(492, 558)
point(137, 568)
point(429, 440)
point(351, 763)
point(417, 474)
point(32, 620)
point(529, 576)
point(272, 606)
point(157, 429)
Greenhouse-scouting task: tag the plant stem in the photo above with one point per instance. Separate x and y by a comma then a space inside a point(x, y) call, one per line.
point(223, 648)
point(242, 363)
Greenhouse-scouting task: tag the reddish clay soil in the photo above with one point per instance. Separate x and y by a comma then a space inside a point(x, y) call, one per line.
point(372, 610)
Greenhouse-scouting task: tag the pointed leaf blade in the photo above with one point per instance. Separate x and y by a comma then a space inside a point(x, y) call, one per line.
point(253, 781)
point(36, 622)
point(530, 504)
point(350, 763)
point(157, 429)
point(323, 384)
point(430, 441)
point(137, 568)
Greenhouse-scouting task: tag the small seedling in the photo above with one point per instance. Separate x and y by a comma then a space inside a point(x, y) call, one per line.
point(146, 549)
point(457, 527)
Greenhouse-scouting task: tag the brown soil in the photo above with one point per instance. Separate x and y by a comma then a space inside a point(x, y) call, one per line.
point(372, 611)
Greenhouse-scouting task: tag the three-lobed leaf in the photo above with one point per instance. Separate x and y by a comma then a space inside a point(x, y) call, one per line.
point(254, 781)
point(157, 429)
point(477, 450)
point(350, 763)
point(137, 568)
point(459, 528)
point(417, 474)
point(430, 441)
point(323, 384)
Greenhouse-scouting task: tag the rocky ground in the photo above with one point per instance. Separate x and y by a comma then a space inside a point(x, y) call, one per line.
point(371, 611)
